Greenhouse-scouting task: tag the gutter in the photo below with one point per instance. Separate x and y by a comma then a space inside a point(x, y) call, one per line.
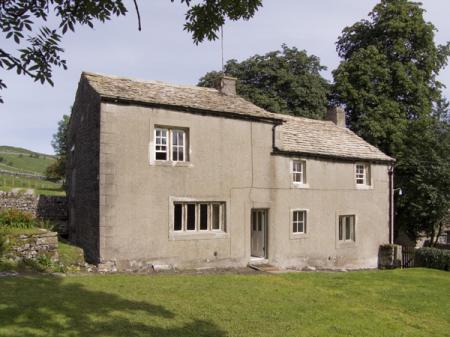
point(391, 203)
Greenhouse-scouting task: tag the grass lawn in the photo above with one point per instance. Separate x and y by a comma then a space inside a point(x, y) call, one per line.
point(45, 187)
point(413, 302)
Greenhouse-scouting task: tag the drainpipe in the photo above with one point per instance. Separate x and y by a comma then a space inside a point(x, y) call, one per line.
point(391, 203)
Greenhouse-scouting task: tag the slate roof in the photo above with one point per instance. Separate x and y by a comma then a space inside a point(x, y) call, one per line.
point(296, 135)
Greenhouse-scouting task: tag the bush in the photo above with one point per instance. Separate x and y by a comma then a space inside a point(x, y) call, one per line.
point(433, 258)
point(3, 244)
point(14, 218)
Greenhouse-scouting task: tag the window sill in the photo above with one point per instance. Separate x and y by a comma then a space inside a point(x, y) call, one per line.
point(171, 163)
point(299, 236)
point(180, 236)
point(364, 187)
point(346, 244)
point(299, 185)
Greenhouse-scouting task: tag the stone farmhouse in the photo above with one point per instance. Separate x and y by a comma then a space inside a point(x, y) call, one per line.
point(189, 177)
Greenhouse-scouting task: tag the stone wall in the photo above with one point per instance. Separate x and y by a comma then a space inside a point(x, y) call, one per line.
point(31, 246)
point(52, 208)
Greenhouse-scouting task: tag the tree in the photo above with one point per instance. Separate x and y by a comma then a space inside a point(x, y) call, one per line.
point(387, 83)
point(286, 81)
point(57, 170)
point(39, 50)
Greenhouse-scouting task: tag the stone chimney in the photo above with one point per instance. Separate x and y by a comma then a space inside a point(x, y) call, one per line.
point(336, 115)
point(227, 85)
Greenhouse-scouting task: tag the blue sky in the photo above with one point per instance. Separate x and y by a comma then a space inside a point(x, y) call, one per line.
point(163, 51)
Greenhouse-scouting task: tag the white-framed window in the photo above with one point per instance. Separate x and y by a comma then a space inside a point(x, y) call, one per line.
point(199, 216)
point(298, 171)
point(362, 174)
point(170, 144)
point(299, 221)
point(347, 228)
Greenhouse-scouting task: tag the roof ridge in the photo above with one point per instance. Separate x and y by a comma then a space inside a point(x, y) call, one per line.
point(157, 82)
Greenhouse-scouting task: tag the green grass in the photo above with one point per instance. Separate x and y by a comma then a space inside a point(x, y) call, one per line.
point(371, 303)
point(8, 182)
point(26, 162)
point(70, 255)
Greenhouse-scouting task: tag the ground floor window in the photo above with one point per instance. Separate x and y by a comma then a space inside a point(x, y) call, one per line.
point(299, 221)
point(347, 228)
point(199, 216)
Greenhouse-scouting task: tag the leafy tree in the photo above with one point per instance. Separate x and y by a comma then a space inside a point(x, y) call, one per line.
point(286, 81)
point(387, 82)
point(39, 50)
point(57, 170)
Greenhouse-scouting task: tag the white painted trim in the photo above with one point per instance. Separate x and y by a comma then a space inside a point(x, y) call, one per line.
point(299, 235)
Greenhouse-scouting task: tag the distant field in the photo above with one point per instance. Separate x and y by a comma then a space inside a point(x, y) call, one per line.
point(19, 160)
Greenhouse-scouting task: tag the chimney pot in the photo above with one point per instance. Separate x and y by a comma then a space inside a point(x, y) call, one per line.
point(336, 115)
point(227, 85)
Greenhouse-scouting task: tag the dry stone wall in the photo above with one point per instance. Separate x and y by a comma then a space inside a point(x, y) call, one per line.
point(31, 246)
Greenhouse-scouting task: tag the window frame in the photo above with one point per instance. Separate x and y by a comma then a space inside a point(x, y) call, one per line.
point(197, 232)
point(343, 230)
point(170, 145)
point(306, 224)
point(365, 175)
point(302, 173)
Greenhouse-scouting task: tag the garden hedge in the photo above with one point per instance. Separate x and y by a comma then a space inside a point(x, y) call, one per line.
point(433, 258)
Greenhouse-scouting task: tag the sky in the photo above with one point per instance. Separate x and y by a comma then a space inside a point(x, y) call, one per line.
point(163, 51)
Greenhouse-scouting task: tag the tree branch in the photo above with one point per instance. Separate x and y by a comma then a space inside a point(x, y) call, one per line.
point(138, 14)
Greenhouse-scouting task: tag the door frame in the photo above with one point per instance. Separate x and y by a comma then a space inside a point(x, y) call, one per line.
point(265, 231)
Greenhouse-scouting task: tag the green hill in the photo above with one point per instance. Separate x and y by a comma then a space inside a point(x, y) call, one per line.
point(17, 167)
point(17, 159)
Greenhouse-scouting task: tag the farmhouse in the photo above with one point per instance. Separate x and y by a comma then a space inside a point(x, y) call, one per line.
point(162, 174)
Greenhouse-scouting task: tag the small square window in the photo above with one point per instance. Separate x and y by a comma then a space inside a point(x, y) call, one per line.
point(347, 228)
point(299, 221)
point(298, 171)
point(362, 174)
point(170, 144)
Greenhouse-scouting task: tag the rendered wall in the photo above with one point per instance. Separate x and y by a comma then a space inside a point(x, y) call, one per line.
point(231, 161)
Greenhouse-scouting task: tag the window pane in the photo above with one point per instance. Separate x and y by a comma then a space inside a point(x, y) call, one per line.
point(178, 216)
point(347, 228)
point(341, 228)
point(215, 216)
point(254, 219)
point(161, 156)
point(190, 226)
point(203, 216)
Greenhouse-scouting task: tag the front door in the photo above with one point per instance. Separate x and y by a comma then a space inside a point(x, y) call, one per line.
point(258, 232)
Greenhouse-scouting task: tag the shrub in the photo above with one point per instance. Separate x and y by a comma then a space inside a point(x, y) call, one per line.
point(433, 258)
point(3, 244)
point(14, 218)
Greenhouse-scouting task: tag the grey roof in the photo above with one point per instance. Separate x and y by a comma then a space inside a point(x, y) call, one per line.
point(182, 96)
point(324, 138)
point(295, 135)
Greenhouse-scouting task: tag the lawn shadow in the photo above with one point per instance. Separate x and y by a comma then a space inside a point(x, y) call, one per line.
point(47, 306)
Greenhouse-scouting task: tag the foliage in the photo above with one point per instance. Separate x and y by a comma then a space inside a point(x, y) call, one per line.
point(433, 258)
point(367, 303)
point(14, 218)
point(286, 81)
point(3, 244)
point(57, 170)
point(39, 50)
point(387, 82)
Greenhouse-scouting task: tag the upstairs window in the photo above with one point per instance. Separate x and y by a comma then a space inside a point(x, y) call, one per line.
point(298, 171)
point(299, 221)
point(362, 174)
point(170, 144)
point(347, 228)
point(199, 217)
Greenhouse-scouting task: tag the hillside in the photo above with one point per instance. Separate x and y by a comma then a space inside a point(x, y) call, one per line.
point(24, 170)
point(17, 159)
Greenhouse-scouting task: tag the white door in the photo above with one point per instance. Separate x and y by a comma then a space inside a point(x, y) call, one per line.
point(258, 232)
